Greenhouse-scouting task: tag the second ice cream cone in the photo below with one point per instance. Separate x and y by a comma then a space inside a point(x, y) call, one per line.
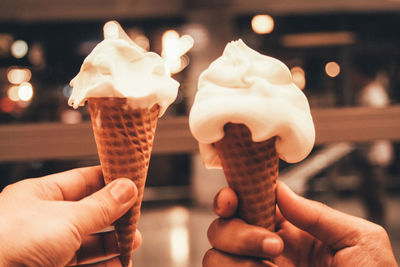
point(251, 170)
point(124, 139)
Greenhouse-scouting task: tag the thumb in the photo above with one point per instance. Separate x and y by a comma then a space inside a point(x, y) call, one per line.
point(333, 227)
point(103, 207)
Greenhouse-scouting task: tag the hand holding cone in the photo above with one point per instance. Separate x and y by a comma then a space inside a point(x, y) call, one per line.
point(247, 114)
point(127, 89)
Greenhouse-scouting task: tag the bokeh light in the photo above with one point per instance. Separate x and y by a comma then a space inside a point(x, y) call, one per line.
point(111, 30)
point(262, 24)
point(139, 38)
point(6, 41)
point(332, 69)
point(12, 93)
point(142, 41)
point(199, 33)
point(173, 48)
point(36, 55)
point(179, 236)
point(7, 105)
point(25, 91)
point(67, 90)
point(22, 105)
point(18, 76)
point(299, 77)
point(71, 116)
point(19, 49)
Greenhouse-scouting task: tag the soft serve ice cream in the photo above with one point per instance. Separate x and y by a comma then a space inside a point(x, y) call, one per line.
point(246, 115)
point(127, 90)
point(246, 87)
point(117, 67)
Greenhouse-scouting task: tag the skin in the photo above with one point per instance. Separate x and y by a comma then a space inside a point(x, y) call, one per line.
point(49, 221)
point(308, 233)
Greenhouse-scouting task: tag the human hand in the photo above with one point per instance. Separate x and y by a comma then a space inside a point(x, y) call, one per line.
point(308, 233)
point(49, 221)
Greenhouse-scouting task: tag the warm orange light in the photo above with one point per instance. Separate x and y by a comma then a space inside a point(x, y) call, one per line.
point(12, 93)
point(19, 49)
point(7, 105)
point(18, 76)
point(179, 236)
point(5, 44)
point(262, 24)
point(299, 77)
point(111, 30)
point(35, 55)
point(71, 117)
point(142, 41)
point(25, 91)
point(318, 39)
point(139, 38)
point(200, 35)
point(173, 48)
point(332, 69)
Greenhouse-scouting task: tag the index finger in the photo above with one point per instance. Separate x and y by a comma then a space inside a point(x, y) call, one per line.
point(225, 203)
point(74, 184)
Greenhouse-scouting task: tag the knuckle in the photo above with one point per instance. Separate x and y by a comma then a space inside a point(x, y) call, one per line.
point(15, 187)
point(212, 230)
point(209, 258)
point(8, 188)
point(378, 231)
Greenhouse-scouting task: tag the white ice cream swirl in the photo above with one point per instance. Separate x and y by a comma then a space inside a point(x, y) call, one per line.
point(244, 86)
point(117, 67)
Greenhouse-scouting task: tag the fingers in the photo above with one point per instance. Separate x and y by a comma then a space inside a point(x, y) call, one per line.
point(74, 184)
point(96, 247)
point(100, 247)
point(225, 203)
point(237, 237)
point(138, 239)
point(113, 262)
point(102, 208)
point(328, 225)
point(215, 258)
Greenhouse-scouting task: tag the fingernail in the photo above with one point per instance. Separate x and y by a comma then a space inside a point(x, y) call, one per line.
point(122, 190)
point(272, 246)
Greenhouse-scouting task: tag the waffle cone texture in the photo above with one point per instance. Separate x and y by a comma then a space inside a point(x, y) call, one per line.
point(251, 169)
point(124, 139)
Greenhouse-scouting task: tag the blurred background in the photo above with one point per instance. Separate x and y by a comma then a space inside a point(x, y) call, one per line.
point(343, 54)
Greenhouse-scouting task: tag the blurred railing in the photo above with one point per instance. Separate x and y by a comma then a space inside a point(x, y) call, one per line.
point(42, 141)
point(296, 177)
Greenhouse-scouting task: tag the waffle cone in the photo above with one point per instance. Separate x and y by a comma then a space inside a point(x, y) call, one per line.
point(251, 170)
point(124, 139)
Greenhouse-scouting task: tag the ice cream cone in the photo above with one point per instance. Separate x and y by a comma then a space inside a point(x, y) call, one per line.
point(124, 139)
point(251, 170)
